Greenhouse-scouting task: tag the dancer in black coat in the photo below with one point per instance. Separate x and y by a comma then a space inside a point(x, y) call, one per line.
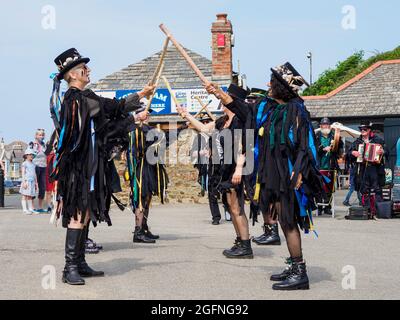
point(89, 128)
point(288, 180)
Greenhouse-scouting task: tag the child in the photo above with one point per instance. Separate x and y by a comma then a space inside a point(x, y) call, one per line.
point(29, 184)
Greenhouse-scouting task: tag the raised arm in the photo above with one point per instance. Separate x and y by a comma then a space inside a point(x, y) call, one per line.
point(207, 128)
point(240, 108)
point(114, 108)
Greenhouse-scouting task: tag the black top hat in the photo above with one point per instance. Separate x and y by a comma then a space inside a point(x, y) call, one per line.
point(325, 121)
point(365, 124)
point(237, 92)
point(67, 60)
point(256, 93)
point(289, 77)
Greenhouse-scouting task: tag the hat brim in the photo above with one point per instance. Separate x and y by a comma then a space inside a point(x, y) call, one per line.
point(284, 82)
point(237, 92)
point(71, 65)
point(205, 119)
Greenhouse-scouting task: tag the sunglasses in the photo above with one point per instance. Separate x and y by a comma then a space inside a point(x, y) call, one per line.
point(364, 129)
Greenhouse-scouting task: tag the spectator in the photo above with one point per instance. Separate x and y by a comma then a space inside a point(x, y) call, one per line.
point(40, 161)
point(50, 185)
point(352, 188)
point(29, 184)
point(2, 173)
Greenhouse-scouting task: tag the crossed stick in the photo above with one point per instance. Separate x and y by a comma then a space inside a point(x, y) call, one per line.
point(204, 107)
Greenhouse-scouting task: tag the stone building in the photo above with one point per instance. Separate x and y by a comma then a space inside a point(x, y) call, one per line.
point(12, 157)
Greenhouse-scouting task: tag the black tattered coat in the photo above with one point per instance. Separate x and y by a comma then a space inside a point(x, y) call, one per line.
point(90, 127)
point(286, 149)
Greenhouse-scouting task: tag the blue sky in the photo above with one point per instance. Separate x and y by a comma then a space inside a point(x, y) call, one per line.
point(117, 33)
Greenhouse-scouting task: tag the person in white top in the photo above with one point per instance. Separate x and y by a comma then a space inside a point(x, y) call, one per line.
point(40, 161)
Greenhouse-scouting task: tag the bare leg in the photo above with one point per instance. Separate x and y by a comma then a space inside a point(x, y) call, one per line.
point(76, 224)
point(235, 225)
point(241, 221)
point(242, 248)
point(268, 219)
point(48, 199)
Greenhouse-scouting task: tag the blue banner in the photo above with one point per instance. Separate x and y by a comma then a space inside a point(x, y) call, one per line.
point(161, 103)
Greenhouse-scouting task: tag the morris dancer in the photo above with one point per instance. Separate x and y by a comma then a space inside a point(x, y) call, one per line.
point(258, 103)
point(201, 157)
point(227, 169)
point(287, 176)
point(88, 127)
point(148, 176)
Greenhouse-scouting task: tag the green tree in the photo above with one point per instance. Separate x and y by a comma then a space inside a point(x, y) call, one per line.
point(346, 70)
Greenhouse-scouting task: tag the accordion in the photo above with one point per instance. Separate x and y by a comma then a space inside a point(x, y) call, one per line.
point(369, 153)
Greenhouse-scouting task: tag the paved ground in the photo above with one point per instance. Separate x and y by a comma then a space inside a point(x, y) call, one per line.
point(187, 263)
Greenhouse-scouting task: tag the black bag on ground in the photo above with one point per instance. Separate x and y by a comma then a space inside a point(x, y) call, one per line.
point(384, 209)
point(357, 213)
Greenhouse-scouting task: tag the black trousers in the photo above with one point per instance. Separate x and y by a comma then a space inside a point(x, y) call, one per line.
point(369, 186)
point(213, 202)
point(1, 188)
point(41, 179)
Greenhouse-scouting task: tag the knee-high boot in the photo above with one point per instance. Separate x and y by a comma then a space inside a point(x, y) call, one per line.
point(72, 249)
point(83, 267)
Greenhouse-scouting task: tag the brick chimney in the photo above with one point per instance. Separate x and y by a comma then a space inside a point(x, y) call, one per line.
point(222, 43)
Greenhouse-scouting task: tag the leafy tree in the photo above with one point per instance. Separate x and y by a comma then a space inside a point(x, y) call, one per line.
point(346, 70)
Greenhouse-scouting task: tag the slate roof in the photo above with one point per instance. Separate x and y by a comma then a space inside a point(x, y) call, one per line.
point(373, 93)
point(13, 151)
point(176, 70)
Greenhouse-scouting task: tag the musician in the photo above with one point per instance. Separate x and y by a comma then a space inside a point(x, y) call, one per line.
point(148, 176)
point(88, 127)
point(369, 176)
point(289, 179)
point(329, 152)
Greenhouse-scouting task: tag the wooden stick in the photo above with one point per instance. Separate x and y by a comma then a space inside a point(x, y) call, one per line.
point(185, 55)
point(171, 93)
point(156, 84)
point(160, 62)
point(204, 107)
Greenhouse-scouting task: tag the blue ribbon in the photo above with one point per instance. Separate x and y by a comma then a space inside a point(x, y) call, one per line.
point(260, 120)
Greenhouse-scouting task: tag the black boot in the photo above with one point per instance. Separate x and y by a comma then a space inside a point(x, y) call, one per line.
point(72, 249)
point(270, 237)
point(148, 233)
point(296, 280)
point(83, 268)
point(242, 251)
point(140, 236)
point(236, 244)
point(285, 273)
